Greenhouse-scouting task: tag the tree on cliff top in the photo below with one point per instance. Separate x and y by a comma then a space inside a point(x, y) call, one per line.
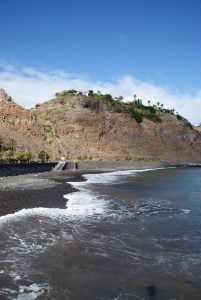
point(91, 93)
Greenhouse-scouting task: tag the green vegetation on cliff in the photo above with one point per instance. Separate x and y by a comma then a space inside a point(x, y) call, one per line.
point(9, 152)
point(136, 108)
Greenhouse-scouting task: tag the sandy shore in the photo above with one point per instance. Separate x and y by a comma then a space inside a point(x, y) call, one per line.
point(36, 190)
point(47, 189)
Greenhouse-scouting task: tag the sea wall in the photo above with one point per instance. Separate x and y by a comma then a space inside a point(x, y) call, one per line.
point(19, 169)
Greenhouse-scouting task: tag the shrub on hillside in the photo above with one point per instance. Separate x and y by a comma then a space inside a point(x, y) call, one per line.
point(179, 117)
point(136, 115)
point(153, 117)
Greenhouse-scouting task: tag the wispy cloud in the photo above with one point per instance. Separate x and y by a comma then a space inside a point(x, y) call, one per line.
point(28, 86)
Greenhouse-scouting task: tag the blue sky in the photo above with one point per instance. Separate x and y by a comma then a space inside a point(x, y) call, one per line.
point(154, 43)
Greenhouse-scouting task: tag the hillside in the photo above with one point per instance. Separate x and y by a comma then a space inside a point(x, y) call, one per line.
point(18, 125)
point(98, 127)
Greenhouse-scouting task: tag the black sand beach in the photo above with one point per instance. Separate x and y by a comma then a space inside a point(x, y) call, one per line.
point(47, 189)
point(124, 235)
point(36, 190)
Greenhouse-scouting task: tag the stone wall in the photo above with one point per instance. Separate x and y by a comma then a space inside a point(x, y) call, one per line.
point(19, 169)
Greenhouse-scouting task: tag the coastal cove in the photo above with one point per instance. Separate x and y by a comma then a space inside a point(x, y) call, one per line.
point(100, 150)
point(92, 234)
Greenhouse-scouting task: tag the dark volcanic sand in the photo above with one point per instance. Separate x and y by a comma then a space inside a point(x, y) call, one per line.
point(13, 200)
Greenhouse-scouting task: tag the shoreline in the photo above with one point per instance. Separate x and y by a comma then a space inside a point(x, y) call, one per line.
point(17, 170)
point(47, 189)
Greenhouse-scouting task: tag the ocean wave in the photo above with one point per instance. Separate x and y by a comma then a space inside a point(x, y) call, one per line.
point(108, 177)
point(85, 202)
point(81, 204)
point(28, 292)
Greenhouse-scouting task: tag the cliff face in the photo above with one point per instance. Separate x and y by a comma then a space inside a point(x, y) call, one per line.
point(18, 124)
point(198, 128)
point(82, 128)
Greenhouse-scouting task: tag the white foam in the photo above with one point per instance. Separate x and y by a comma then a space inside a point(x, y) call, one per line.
point(39, 211)
point(81, 204)
point(107, 178)
point(84, 204)
point(186, 211)
point(103, 178)
point(29, 292)
point(87, 203)
point(113, 177)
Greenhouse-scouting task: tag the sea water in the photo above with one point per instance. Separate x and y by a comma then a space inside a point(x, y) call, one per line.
point(123, 235)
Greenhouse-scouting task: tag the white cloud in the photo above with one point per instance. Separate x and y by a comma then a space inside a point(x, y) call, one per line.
point(28, 86)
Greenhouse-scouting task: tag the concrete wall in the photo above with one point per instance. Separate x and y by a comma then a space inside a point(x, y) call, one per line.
point(19, 169)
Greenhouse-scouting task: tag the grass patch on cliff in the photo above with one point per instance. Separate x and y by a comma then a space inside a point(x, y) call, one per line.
point(48, 128)
point(139, 111)
point(142, 159)
point(153, 117)
point(99, 102)
point(84, 157)
point(136, 114)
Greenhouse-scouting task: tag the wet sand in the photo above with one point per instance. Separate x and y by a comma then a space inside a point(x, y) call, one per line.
point(47, 189)
point(36, 190)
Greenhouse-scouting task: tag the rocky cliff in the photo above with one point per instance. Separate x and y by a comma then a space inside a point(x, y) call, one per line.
point(92, 128)
point(18, 124)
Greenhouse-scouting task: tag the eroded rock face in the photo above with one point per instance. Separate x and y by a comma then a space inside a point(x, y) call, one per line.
point(88, 129)
point(82, 128)
point(17, 123)
point(117, 136)
point(4, 97)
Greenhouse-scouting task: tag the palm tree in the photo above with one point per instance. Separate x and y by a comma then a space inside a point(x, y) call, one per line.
point(11, 145)
point(135, 97)
point(43, 156)
point(8, 154)
point(29, 156)
point(20, 156)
